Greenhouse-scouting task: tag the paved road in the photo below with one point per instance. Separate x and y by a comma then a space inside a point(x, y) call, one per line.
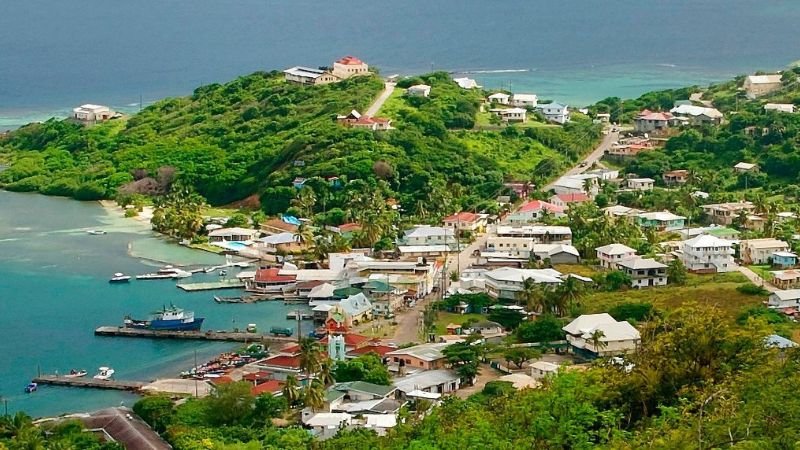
point(757, 280)
point(378, 103)
point(592, 158)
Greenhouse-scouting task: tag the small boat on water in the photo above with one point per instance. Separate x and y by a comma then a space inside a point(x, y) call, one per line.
point(168, 319)
point(120, 277)
point(165, 273)
point(31, 387)
point(104, 373)
point(222, 273)
point(96, 232)
point(220, 299)
point(76, 373)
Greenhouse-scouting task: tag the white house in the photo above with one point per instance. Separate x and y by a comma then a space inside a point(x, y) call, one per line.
point(644, 272)
point(698, 115)
point(609, 255)
point(575, 184)
point(708, 254)
point(506, 282)
point(782, 299)
point(614, 338)
point(233, 234)
point(89, 113)
point(555, 112)
point(640, 184)
point(524, 100)
point(511, 114)
point(541, 234)
point(419, 90)
point(499, 98)
point(759, 85)
point(745, 167)
point(541, 369)
point(780, 107)
point(533, 211)
point(428, 235)
point(466, 83)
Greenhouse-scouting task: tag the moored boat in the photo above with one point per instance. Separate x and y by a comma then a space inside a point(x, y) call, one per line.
point(31, 387)
point(76, 373)
point(104, 373)
point(96, 232)
point(168, 319)
point(119, 277)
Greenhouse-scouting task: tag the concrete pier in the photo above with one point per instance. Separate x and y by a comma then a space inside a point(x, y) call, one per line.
point(230, 336)
point(212, 285)
point(88, 382)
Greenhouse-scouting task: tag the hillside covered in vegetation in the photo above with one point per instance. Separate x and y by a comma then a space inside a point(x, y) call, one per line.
point(256, 134)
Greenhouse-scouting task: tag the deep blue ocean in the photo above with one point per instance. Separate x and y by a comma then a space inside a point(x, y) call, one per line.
point(56, 54)
point(54, 292)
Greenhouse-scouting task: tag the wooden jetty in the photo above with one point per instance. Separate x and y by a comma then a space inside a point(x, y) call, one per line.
point(212, 285)
point(230, 336)
point(56, 380)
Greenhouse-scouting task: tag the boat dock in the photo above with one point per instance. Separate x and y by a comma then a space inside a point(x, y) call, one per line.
point(56, 380)
point(230, 336)
point(211, 285)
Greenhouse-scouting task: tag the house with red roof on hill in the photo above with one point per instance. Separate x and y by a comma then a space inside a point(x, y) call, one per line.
point(349, 66)
point(564, 200)
point(356, 120)
point(270, 280)
point(466, 221)
point(533, 211)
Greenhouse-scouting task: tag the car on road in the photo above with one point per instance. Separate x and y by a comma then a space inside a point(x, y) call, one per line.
point(583, 164)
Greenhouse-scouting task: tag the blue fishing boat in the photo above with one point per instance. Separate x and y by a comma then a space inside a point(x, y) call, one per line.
point(172, 319)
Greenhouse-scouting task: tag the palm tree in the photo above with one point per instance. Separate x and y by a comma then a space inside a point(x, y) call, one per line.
point(570, 291)
point(314, 395)
point(309, 356)
point(325, 373)
point(597, 341)
point(534, 296)
point(291, 390)
point(305, 201)
point(588, 186)
point(304, 234)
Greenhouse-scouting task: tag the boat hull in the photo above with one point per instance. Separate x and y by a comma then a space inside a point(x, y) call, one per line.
point(119, 280)
point(167, 325)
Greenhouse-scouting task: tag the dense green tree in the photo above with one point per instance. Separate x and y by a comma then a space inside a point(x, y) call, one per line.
point(157, 410)
point(362, 368)
point(230, 404)
point(546, 328)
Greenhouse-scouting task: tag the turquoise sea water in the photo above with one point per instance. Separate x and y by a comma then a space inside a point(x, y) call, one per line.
point(54, 292)
point(56, 54)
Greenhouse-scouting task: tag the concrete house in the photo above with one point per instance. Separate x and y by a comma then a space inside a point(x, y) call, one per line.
point(423, 356)
point(760, 85)
point(615, 338)
point(466, 83)
point(90, 114)
point(281, 243)
point(760, 251)
point(439, 381)
point(698, 115)
point(780, 107)
point(234, 234)
point(609, 255)
point(673, 177)
point(542, 369)
point(644, 272)
point(745, 167)
point(726, 213)
point(576, 184)
point(541, 234)
point(565, 200)
point(661, 220)
point(507, 282)
point(466, 221)
point(429, 235)
point(648, 121)
point(708, 254)
point(533, 211)
point(556, 253)
point(309, 76)
point(500, 98)
point(555, 112)
point(349, 66)
point(419, 90)
point(640, 184)
point(511, 114)
point(786, 279)
point(525, 100)
point(789, 298)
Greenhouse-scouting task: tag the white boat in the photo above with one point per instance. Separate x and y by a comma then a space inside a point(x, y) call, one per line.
point(104, 373)
point(120, 277)
point(76, 373)
point(166, 272)
point(96, 232)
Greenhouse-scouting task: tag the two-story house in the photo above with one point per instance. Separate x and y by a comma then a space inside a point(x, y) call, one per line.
point(533, 211)
point(708, 254)
point(466, 222)
point(593, 335)
point(759, 251)
point(541, 234)
point(609, 255)
point(508, 282)
point(555, 112)
point(644, 272)
point(726, 213)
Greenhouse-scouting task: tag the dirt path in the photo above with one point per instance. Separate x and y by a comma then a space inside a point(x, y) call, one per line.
point(757, 280)
point(378, 103)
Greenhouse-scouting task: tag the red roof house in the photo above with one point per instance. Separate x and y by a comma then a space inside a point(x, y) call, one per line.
point(380, 349)
point(564, 200)
point(271, 386)
point(350, 61)
point(351, 341)
point(538, 206)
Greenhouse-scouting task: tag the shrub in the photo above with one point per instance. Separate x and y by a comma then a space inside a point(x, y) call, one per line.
point(752, 289)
